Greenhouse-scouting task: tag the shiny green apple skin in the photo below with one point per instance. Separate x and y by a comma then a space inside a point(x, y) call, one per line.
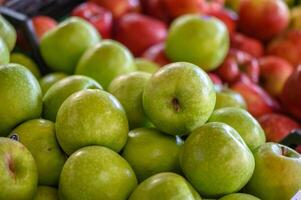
point(61, 90)
point(106, 61)
point(4, 52)
point(94, 173)
point(179, 98)
point(27, 62)
point(216, 160)
point(203, 41)
point(7, 33)
point(277, 174)
point(146, 65)
point(239, 196)
point(48, 80)
point(128, 89)
point(19, 176)
point(46, 193)
point(38, 135)
point(150, 151)
point(62, 46)
point(91, 117)
point(229, 98)
point(243, 122)
point(165, 186)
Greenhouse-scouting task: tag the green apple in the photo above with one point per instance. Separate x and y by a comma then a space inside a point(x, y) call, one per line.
point(201, 40)
point(233, 4)
point(38, 136)
point(27, 62)
point(239, 196)
point(91, 117)
point(62, 46)
point(61, 90)
point(146, 65)
point(46, 193)
point(96, 172)
point(150, 152)
point(165, 186)
point(7, 33)
point(106, 61)
point(179, 98)
point(277, 174)
point(4, 52)
point(229, 98)
point(19, 174)
point(216, 160)
point(243, 122)
point(47, 81)
point(21, 97)
point(295, 22)
point(128, 89)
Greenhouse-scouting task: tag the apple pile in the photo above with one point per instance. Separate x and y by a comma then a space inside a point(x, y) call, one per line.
point(154, 100)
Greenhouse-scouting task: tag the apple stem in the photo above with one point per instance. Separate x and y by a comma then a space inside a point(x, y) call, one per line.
point(176, 104)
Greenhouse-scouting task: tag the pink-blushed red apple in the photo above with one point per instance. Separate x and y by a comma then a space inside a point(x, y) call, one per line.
point(43, 24)
point(139, 32)
point(215, 78)
point(99, 17)
point(156, 53)
point(277, 126)
point(247, 44)
point(236, 63)
point(287, 46)
point(119, 7)
point(263, 19)
point(274, 71)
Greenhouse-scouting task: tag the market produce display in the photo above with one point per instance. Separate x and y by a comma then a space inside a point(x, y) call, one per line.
point(153, 100)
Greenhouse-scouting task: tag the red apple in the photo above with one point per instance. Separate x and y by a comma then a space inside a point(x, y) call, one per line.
point(99, 17)
point(258, 101)
point(263, 19)
point(119, 7)
point(277, 126)
point(156, 53)
point(247, 44)
point(298, 149)
point(155, 8)
point(274, 72)
point(43, 24)
point(213, 5)
point(215, 78)
point(287, 46)
point(139, 32)
point(291, 94)
point(236, 63)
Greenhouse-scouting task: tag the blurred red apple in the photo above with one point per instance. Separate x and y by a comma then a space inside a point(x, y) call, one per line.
point(298, 149)
point(258, 101)
point(43, 24)
point(99, 17)
point(277, 126)
point(155, 8)
point(274, 72)
point(291, 94)
point(247, 44)
point(263, 19)
point(119, 7)
point(236, 63)
point(156, 53)
point(287, 46)
point(215, 78)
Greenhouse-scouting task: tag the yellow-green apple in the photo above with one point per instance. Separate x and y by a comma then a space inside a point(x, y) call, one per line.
point(19, 176)
point(62, 46)
point(91, 117)
point(277, 126)
point(216, 160)
point(156, 53)
point(145, 65)
point(295, 22)
point(239, 196)
point(106, 61)
point(7, 33)
point(132, 26)
point(99, 17)
point(48, 80)
point(263, 19)
point(43, 24)
point(226, 97)
point(21, 97)
point(46, 193)
point(165, 186)
point(233, 4)
point(277, 172)
point(243, 122)
point(96, 172)
point(128, 89)
point(201, 40)
point(61, 90)
point(39, 137)
point(150, 151)
point(179, 98)
point(27, 62)
point(4, 52)
point(274, 72)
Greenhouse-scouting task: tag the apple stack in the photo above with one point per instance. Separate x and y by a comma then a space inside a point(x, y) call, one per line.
point(154, 100)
